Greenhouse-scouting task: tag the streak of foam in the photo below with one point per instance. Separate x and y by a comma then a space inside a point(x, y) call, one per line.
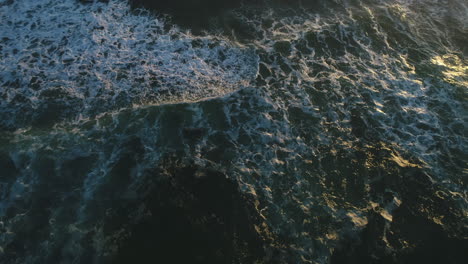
point(92, 58)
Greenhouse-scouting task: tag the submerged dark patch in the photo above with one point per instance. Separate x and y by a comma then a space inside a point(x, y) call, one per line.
point(187, 214)
point(189, 12)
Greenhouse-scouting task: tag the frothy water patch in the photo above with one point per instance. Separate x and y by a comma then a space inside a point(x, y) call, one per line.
point(350, 140)
point(62, 59)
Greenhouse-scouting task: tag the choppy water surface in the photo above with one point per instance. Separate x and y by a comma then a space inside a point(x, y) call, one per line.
point(332, 132)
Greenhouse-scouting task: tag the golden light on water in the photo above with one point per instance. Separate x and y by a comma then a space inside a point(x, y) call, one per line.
point(455, 69)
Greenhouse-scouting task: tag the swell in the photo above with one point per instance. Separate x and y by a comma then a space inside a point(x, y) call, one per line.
point(334, 134)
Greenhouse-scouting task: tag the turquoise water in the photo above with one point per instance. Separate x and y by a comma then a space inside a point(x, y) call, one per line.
point(332, 132)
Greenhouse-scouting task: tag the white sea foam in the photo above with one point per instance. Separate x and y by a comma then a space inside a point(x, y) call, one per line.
point(101, 56)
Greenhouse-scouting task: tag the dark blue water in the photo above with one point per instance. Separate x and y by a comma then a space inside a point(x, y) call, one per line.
point(233, 132)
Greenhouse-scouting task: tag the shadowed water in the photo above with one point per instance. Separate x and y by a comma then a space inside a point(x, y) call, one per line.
point(233, 132)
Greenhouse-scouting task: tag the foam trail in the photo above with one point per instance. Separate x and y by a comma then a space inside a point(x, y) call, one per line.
point(87, 59)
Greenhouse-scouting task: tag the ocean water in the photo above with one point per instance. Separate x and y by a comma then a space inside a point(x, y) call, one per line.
point(264, 132)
